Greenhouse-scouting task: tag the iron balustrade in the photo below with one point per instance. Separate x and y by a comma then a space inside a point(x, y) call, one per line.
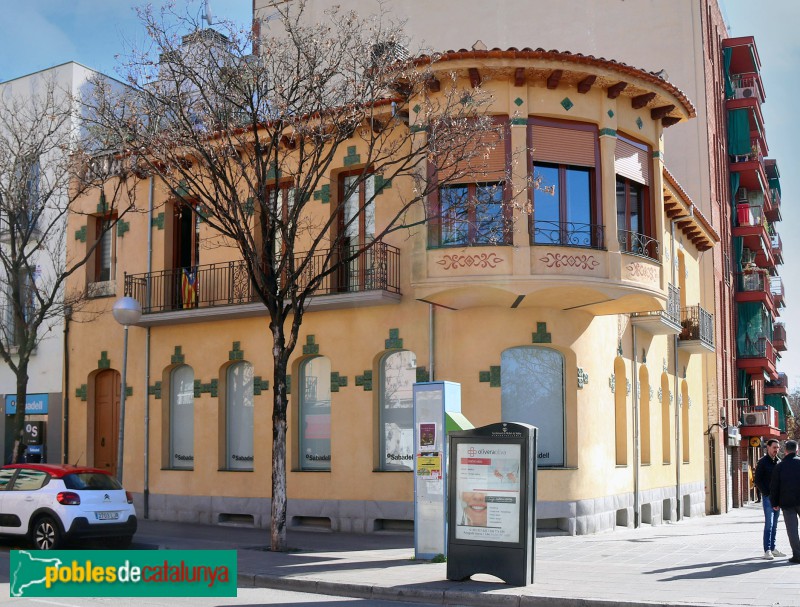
point(229, 283)
point(779, 332)
point(673, 311)
point(568, 234)
point(697, 324)
point(634, 243)
point(761, 347)
point(776, 286)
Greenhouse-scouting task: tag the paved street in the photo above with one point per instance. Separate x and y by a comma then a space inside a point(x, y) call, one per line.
point(713, 560)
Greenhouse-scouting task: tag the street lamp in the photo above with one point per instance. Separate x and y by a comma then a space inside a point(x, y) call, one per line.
point(127, 311)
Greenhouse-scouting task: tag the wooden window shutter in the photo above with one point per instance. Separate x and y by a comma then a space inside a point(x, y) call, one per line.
point(486, 160)
point(632, 162)
point(563, 145)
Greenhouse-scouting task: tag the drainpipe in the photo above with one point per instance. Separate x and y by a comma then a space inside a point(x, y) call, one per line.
point(65, 423)
point(636, 437)
point(431, 341)
point(146, 490)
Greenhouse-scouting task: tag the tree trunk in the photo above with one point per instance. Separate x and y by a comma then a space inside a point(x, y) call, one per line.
point(19, 416)
point(278, 513)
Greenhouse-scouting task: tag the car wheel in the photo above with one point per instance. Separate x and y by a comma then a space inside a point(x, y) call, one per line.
point(46, 534)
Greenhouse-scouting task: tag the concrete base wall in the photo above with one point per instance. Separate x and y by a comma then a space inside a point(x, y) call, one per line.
point(579, 517)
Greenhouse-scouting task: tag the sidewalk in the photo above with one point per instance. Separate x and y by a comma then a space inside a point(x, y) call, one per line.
point(712, 560)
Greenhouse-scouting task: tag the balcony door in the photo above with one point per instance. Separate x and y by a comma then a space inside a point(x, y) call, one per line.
point(356, 225)
point(183, 279)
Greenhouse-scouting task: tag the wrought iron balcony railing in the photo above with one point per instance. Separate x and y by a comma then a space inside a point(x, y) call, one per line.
point(697, 324)
point(229, 283)
point(568, 234)
point(745, 86)
point(760, 347)
point(754, 281)
point(639, 244)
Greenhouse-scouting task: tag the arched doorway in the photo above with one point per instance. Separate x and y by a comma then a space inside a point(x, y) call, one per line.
point(106, 420)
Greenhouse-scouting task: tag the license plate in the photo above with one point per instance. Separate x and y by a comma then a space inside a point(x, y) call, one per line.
point(107, 516)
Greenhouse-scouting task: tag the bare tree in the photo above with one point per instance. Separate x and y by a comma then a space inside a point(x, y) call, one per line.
point(252, 141)
point(43, 170)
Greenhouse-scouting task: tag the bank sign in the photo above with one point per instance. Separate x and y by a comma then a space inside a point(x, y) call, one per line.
point(35, 404)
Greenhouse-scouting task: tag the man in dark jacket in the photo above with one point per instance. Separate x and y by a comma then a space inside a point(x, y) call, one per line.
point(784, 493)
point(762, 479)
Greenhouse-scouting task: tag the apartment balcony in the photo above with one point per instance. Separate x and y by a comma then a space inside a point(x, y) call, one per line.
point(752, 228)
point(776, 290)
point(697, 330)
point(750, 167)
point(760, 420)
point(757, 357)
point(777, 248)
point(774, 214)
point(662, 322)
point(777, 386)
point(224, 290)
point(779, 336)
point(754, 285)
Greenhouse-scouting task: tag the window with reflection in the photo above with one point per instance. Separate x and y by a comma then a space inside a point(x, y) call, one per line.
point(473, 214)
point(315, 414)
point(239, 417)
point(397, 377)
point(532, 392)
point(181, 418)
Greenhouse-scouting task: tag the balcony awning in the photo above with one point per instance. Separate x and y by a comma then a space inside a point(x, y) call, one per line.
point(727, 55)
point(739, 132)
point(775, 184)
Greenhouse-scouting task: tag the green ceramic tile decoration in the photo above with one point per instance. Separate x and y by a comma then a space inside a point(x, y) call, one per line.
point(178, 358)
point(492, 376)
point(352, 157)
point(155, 390)
point(382, 184)
point(519, 121)
point(81, 234)
point(417, 128)
point(81, 392)
point(182, 191)
point(337, 381)
point(394, 342)
point(273, 172)
point(518, 101)
point(608, 132)
point(610, 113)
point(365, 380)
point(323, 194)
point(612, 383)
point(423, 375)
point(249, 207)
point(311, 346)
point(416, 108)
point(128, 390)
point(657, 154)
point(639, 123)
point(236, 353)
point(123, 227)
point(259, 385)
point(102, 206)
point(209, 388)
point(541, 336)
point(158, 221)
point(288, 384)
point(566, 103)
point(104, 362)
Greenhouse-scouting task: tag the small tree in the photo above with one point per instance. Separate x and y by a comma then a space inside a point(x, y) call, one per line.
point(253, 139)
point(42, 172)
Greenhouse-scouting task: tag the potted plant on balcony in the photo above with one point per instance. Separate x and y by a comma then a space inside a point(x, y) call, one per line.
point(686, 329)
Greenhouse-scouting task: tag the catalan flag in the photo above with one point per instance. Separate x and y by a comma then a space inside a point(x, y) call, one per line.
point(189, 287)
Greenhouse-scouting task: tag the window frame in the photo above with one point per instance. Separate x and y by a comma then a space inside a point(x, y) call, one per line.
point(383, 464)
point(172, 418)
point(302, 405)
point(100, 235)
point(472, 203)
point(229, 456)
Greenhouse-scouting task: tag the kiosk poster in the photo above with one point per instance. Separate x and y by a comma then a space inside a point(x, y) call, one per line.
point(488, 492)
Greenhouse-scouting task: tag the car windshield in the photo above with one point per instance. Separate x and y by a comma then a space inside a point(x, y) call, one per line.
point(91, 481)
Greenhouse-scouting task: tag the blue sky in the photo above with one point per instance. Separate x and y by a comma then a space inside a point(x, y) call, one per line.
point(37, 34)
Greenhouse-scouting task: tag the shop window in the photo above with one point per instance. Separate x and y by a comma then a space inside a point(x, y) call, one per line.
point(532, 392)
point(181, 418)
point(239, 417)
point(315, 414)
point(396, 425)
point(565, 207)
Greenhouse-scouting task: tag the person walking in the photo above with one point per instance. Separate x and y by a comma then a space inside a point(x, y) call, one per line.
point(784, 493)
point(762, 478)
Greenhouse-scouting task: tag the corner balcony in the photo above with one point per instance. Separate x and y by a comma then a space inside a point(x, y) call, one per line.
point(223, 291)
point(777, 292)
point(760, 420)
point(751, 227)
point(774, 213)
point(750, 166)
point(779, 336)
point(757, 357)
point(697, 330)
point(777, 386)
point(777, 248)
point(662, 322)
point(754, 285)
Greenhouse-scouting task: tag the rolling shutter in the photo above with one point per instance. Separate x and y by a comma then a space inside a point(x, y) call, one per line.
point(485, 160)
point(563, 145)
point(632, 162)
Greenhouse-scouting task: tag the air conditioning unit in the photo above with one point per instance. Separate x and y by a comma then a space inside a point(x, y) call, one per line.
point(755, 419)
point(745, 92)
point(741, 195)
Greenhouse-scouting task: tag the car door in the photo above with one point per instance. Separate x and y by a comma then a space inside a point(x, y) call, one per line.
point(23, 497)
point(6, 518)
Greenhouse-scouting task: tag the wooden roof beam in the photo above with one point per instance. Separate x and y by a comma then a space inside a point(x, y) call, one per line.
point(519, 76)
point(669, 121)
point(586, 84)
point(640, 101)
point(615, 89)
point(474, 77)
point(658, 113)
point(434, 86)
point(554, 78)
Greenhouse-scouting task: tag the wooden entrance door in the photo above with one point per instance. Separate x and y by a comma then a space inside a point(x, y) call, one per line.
point(106, 420)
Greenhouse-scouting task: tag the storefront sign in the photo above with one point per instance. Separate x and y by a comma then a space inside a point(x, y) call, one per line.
point(35, 404)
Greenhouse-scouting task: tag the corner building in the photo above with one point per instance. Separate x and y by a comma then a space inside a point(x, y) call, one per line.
point(583, 319)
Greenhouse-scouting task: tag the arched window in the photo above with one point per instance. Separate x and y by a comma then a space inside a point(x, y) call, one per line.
point(239, 417)
point(396, 426)
point(315, 414)
point(621, 413)
point(181, 418)
point(532, 380)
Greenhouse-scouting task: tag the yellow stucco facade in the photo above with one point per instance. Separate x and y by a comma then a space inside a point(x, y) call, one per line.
point(632, 384)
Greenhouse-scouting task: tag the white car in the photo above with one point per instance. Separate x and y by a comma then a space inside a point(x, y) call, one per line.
point(52, 504)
